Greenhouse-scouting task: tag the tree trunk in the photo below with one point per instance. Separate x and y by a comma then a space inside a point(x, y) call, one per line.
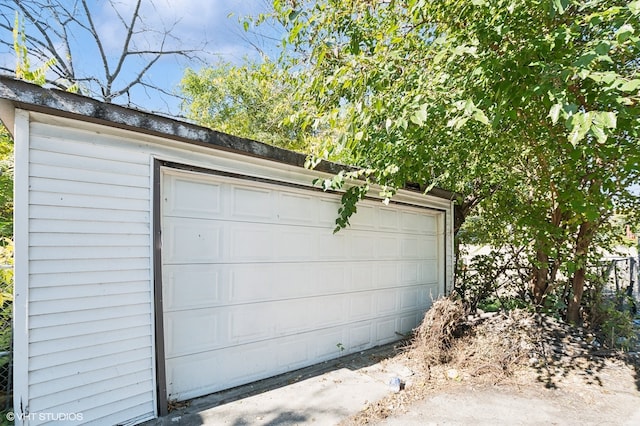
point(461, 210)
point(583, 241)
point(540, 273)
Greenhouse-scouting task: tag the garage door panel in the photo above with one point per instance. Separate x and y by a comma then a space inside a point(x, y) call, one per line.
point(407, 323)
point(268, 319)
point(190, 198)
point(362, 246)
point(327, 210)
point(409, 273)
point(191, 286)
point(250, 283)
point(366, 218)
point(388, 219)
point(191, 240)
point(296, 209)
point(255, 283)
point(297, 244)
point(193, 375)
point(408, 298)
point(258, 282)
point(251, 243)
point(361, 306)
point(250, 324)
point(291, 354)
point(331, 247)
point(362, 277)
point(179, 324)
point(427, 294)
point(361, 336)
point(386, 330)
point(429, 271)
point(417, 223)
point(251, 203)
point(388, 247)
point(387, 274)
point(333, 277)
point(203, 373)
point(386, 302)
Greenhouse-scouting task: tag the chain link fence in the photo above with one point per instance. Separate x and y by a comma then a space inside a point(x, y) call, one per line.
point(6, 320)
point(6, 366)
point(621, 279)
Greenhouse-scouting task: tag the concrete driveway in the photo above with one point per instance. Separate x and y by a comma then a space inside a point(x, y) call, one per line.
point(323, 394)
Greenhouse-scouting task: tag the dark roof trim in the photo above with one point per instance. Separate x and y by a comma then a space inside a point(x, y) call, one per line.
point(32, 97)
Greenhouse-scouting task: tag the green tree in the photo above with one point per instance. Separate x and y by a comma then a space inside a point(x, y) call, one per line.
point(527, 108)
point(6, 184)
point(251, 100)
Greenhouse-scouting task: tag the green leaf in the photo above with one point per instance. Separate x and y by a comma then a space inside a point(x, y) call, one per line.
point(624, 32)
point(580, 124)
point(634, 7)
point(585, 59)
point(630, 86)
point(554, 113)
point(599, 133)
point(480, 116)
point(606, 119)
point(419, 116)
point(461, 122)
point(294, 31)
point(560, 6)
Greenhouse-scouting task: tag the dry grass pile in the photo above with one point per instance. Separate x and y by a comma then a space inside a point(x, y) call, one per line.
point(436, 336)
point(451, 349)
point(494, 345)
point(498, 346)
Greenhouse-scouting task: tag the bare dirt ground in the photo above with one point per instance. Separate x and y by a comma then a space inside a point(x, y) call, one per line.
point(508, 368)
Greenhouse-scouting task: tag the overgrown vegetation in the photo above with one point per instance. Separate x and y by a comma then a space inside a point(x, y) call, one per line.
point(529, 110)
point(6, 313)
point(6, 183)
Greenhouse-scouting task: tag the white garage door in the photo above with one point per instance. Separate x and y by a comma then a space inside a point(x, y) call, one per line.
point(255, 283)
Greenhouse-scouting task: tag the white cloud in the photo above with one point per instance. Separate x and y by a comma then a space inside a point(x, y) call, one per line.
point(193, 23)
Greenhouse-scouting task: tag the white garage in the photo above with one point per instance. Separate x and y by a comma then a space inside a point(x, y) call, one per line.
point(160, 261)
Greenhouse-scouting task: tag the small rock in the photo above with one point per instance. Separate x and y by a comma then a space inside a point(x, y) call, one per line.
point(395, 384)
point(452, 373)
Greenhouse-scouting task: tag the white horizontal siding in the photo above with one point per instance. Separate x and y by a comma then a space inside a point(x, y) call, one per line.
point(106, 313)
point(46, 375)
point(55, 280)
point(90, 307)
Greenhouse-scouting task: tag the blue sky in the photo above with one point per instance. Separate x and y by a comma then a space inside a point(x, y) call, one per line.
point(212, 25)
